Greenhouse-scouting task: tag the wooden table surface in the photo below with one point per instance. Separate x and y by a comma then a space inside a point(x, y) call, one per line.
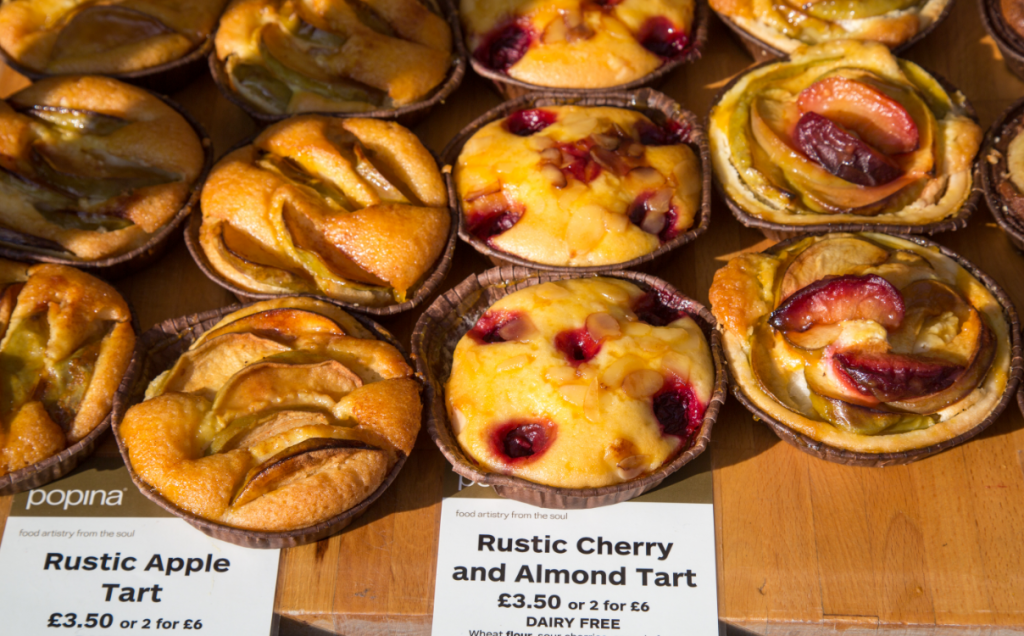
point(803, 544)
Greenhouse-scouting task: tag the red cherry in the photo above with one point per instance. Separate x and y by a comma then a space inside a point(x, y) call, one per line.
point(677, 409)
point(487, 328)
point(659, 36)
point(641, 208)
point(577, 345)
point(668, 134)
point(505, 45)
point(529, 121)
point(652, 309)
point(520, 441)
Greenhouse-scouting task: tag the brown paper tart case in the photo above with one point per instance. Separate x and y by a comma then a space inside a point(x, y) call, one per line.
point(650, 102)
point(856, 458)
point(156, 351)
point(408, 115)
point(453, 314)
point(164, 78)
point(115, 267)
point(1010, 44)
point(782, 231)
point(761, 51)
point(992, 170)
point(511, 88)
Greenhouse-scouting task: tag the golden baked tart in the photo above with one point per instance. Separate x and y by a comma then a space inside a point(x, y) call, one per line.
point(577, 43)
point(108, 37)
point(92, 168)
point(352, 209)
point(579, 383)
point(787, 25)
point(297, 56)
point(67, 340)
point(282, 415)
point(866, 343)
point(579, 186)
point(1002, 172)
point(844, 133)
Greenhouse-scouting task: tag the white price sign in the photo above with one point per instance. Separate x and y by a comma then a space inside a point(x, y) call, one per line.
point(641, 568)
point(88, 554)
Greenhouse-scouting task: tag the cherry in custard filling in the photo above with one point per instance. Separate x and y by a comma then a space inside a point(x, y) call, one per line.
point(523, 440)
point(677, 409)
point(650, 309)
point(505, 45)
point(529, 121)
point(651, 215)
point(493, 326)
point(663, 38)
point(577, 345)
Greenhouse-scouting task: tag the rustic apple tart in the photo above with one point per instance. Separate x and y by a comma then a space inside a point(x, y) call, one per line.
point(298, 56)
point(284, 414)
point(788, 24)
point(112, 36)
point(577, 43)
point(579, 383)
point(91, 167)
point(353, 209)
point(578, 185)
point(863, 342)
point(67, 342)
point(843, 132)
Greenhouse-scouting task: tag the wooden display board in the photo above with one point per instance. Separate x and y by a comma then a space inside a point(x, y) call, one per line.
point(803, 545)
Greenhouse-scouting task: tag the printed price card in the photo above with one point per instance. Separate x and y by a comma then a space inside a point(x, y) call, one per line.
point(641, 568)
point(89, 554)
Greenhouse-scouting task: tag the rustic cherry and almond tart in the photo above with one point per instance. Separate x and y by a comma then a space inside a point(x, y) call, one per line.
point(578, 185)
point(284, 414)
point(863, 342)
point(577, 43)
point(579, 383)
point(843, 132)
point(297, 56)
point(92, 168)
point(67, 340)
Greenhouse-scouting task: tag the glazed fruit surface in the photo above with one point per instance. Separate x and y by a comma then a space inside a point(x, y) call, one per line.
point(67, 341)
point(844, 132)
point(579, 384)
point(284, 414)
point(577, 186)
point(91, 167)
point(298, 56)
point(574, 43)
point(119, 36)
point(1006, 160)
point(786, 25)
point(354, 209)
point(865, 342)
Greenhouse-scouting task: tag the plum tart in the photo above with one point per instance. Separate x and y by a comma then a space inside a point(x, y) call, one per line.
point(1002, 172)
point(109, 37)
point(578, 43)
point(67, 340)
point(866, 343)
point(282, 415)
point(579, 186)
point(92, 168)
point(282, 57)
point(579, 383)
point(351, 209)
point(844, 133)
point(785, 26)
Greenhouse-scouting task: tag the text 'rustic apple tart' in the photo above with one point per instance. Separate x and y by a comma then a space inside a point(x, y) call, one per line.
point(91, 166)
point(577, 44)
point(843, 132)
point(787, 24)
point(111, 36)
point(67, 342)
point(354, 209)
point(299, 56)
point(864, 342)
point(578, 186)
point(284, 414)
point(579, 384)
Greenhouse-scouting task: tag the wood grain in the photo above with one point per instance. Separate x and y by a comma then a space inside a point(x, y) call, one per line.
point(803, 545)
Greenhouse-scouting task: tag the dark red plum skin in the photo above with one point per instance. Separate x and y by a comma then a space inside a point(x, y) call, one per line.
point(892, 377)
point(842, 153)
point(835, 299)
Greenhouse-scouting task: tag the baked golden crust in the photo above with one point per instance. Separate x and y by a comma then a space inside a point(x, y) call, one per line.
point(787, 25)
point(284, 414)
point(578, 186)
point(763, 165)
point(579, 384)
point(576, 43)
point(296, 56)
point(118, 36)
point(354, 209)
point(92, 166)
point(949, 346)
point(67, 342)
